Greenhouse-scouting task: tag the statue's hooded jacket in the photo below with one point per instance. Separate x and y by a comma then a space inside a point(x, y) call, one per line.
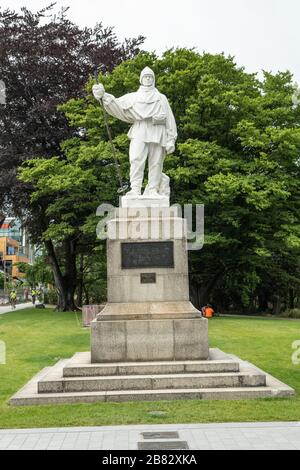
point(149, 112)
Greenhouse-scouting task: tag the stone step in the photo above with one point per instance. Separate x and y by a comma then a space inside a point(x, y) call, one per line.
point(94, 370)
point(239, 393)
point(28, 395)
point(149, 368)
point(80, 366)
point(52, 384)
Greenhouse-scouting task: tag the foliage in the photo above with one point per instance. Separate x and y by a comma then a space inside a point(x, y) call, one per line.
point(50, 297)
point(37, 273)
point(45, 60)
point(292, 313)
point(1, 281)
point(238, 154)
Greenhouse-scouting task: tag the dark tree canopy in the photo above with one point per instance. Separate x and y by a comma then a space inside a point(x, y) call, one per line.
point(45, 59)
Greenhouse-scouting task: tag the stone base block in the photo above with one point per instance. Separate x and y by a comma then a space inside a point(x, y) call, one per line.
point(144, 201)
point(149, 340)
point(148, 311)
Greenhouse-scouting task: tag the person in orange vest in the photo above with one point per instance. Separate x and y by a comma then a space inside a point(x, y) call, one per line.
point(208, 311)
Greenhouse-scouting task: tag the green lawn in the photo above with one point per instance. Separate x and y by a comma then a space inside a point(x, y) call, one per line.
point(38, 338)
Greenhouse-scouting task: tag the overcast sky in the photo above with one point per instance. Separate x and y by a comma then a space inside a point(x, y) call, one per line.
point(261, 34)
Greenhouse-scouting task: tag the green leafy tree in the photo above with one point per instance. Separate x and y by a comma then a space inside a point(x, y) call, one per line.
point(37, 273)
point(2, 281)
point(238, 153)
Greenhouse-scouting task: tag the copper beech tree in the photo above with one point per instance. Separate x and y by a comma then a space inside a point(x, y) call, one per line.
point(45, 60)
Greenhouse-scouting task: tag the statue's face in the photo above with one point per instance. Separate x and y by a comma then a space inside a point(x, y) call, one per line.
point(147, 80)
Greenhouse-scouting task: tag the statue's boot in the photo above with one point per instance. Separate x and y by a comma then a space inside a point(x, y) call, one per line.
point(153, 193)
point(134, 192)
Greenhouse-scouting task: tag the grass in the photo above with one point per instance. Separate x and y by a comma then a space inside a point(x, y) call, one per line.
point(38, 338)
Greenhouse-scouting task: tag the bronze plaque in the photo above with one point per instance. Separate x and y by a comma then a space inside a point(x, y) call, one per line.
point(147, 255)
point(148, 278)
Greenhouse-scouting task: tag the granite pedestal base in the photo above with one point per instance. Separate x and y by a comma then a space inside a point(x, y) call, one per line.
point(149, 336)
point(148, 316)
point(78, 380)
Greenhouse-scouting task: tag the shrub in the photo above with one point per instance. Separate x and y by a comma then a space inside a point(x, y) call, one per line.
point(51, 297)
point(292, 313)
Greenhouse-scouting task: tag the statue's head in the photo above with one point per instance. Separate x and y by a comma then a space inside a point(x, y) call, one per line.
point(147, 77)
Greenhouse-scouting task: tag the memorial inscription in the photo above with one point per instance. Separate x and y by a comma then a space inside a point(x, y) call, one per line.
point(147, 255)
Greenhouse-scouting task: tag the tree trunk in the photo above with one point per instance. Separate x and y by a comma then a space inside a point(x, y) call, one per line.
point(291, 299)
point(80, 281)
point(70, 276)
point(65, 284)
point(263, 302)
point(276, 305)
point(86, 294)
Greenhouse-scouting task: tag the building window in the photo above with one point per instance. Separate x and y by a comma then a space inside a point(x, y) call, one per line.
point(10, 250)
point(8, 267)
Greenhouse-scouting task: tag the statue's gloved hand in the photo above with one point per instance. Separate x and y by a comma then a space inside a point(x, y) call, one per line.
point(98, 91)
point(170, 147)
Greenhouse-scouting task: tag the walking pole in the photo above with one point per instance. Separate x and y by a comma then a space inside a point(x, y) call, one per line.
point(123, 187)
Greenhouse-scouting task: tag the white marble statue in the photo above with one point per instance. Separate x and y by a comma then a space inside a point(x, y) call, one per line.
point(153, 133)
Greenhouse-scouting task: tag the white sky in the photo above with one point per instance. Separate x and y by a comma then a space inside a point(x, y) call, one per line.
point(261, 34)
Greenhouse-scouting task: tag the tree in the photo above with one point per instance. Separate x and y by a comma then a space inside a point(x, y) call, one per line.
point(1, 280)
point(238, 153)
point(37, 273)
point(45, 62)
point(73, 188)
point(243, 164)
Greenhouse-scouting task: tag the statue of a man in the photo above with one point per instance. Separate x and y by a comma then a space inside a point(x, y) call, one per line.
point(153, 133)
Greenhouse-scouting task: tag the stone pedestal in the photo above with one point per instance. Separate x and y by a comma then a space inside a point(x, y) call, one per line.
point(148, 316)
point(144, 201)
point(149, 332)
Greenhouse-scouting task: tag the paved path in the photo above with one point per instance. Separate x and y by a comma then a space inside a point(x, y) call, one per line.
point(244, 436)
point(7, 308)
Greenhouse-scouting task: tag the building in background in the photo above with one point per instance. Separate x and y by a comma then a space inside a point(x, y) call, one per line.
point(14, 247)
